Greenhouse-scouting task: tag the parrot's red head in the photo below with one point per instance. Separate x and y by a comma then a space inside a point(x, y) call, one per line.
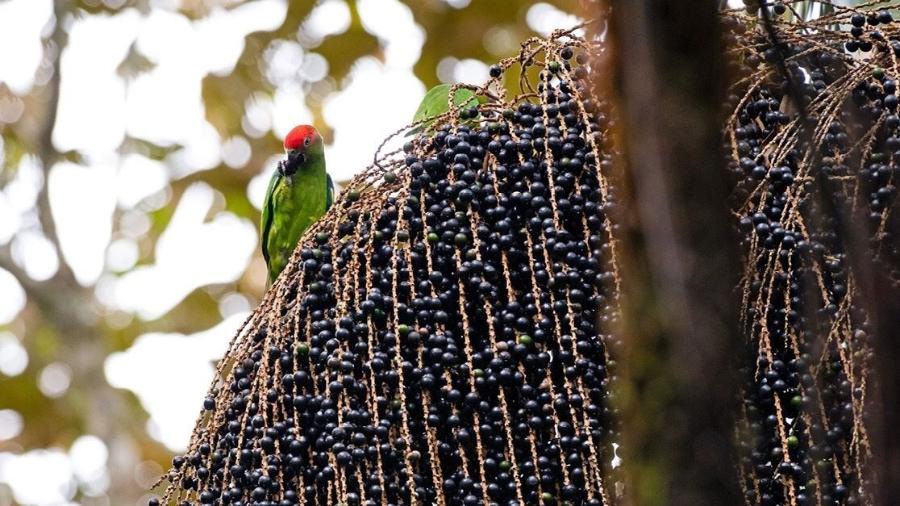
point(300, 137)
point(302, 142)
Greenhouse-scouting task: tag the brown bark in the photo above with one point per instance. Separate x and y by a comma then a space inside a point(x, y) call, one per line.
point(680, 308)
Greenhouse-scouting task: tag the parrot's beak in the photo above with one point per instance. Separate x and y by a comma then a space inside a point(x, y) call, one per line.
point(295, 158)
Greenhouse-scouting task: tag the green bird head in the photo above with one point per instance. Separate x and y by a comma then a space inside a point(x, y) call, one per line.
point(301, 145)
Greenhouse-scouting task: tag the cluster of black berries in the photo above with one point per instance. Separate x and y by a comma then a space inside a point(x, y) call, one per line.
point(439, 344)
point(863, 41)
point(811, 152)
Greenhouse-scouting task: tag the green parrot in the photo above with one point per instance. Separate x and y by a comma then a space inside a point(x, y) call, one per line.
point(299, 194)
point(436, 103)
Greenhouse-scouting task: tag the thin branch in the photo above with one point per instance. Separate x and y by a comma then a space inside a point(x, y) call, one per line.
point(46, 150)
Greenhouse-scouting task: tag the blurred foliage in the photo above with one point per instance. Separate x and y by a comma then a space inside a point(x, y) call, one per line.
point(65, 322)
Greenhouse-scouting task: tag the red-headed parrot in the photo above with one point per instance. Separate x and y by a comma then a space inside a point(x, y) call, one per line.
point(299, 194)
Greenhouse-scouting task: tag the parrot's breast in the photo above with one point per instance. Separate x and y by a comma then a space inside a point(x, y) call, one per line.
point(297, 204)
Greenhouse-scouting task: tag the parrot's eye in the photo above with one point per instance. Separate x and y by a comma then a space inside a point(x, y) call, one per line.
point(306, 141)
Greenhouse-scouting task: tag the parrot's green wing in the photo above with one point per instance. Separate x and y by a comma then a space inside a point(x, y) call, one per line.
point(329, 197)
point(436, 103)
point(268, 214)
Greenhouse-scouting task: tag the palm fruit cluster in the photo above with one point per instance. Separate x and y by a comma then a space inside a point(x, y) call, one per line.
point(434, 339)
point(813, 143)
point(443, 335)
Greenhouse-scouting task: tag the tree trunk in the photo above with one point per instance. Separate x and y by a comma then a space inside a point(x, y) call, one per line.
point(680, 308)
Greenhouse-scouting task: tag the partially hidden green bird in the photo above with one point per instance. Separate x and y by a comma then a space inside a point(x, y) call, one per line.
point(437, 101)
point(300, 192)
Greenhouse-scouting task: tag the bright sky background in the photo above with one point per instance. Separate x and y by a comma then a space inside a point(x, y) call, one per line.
point(97, 110)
